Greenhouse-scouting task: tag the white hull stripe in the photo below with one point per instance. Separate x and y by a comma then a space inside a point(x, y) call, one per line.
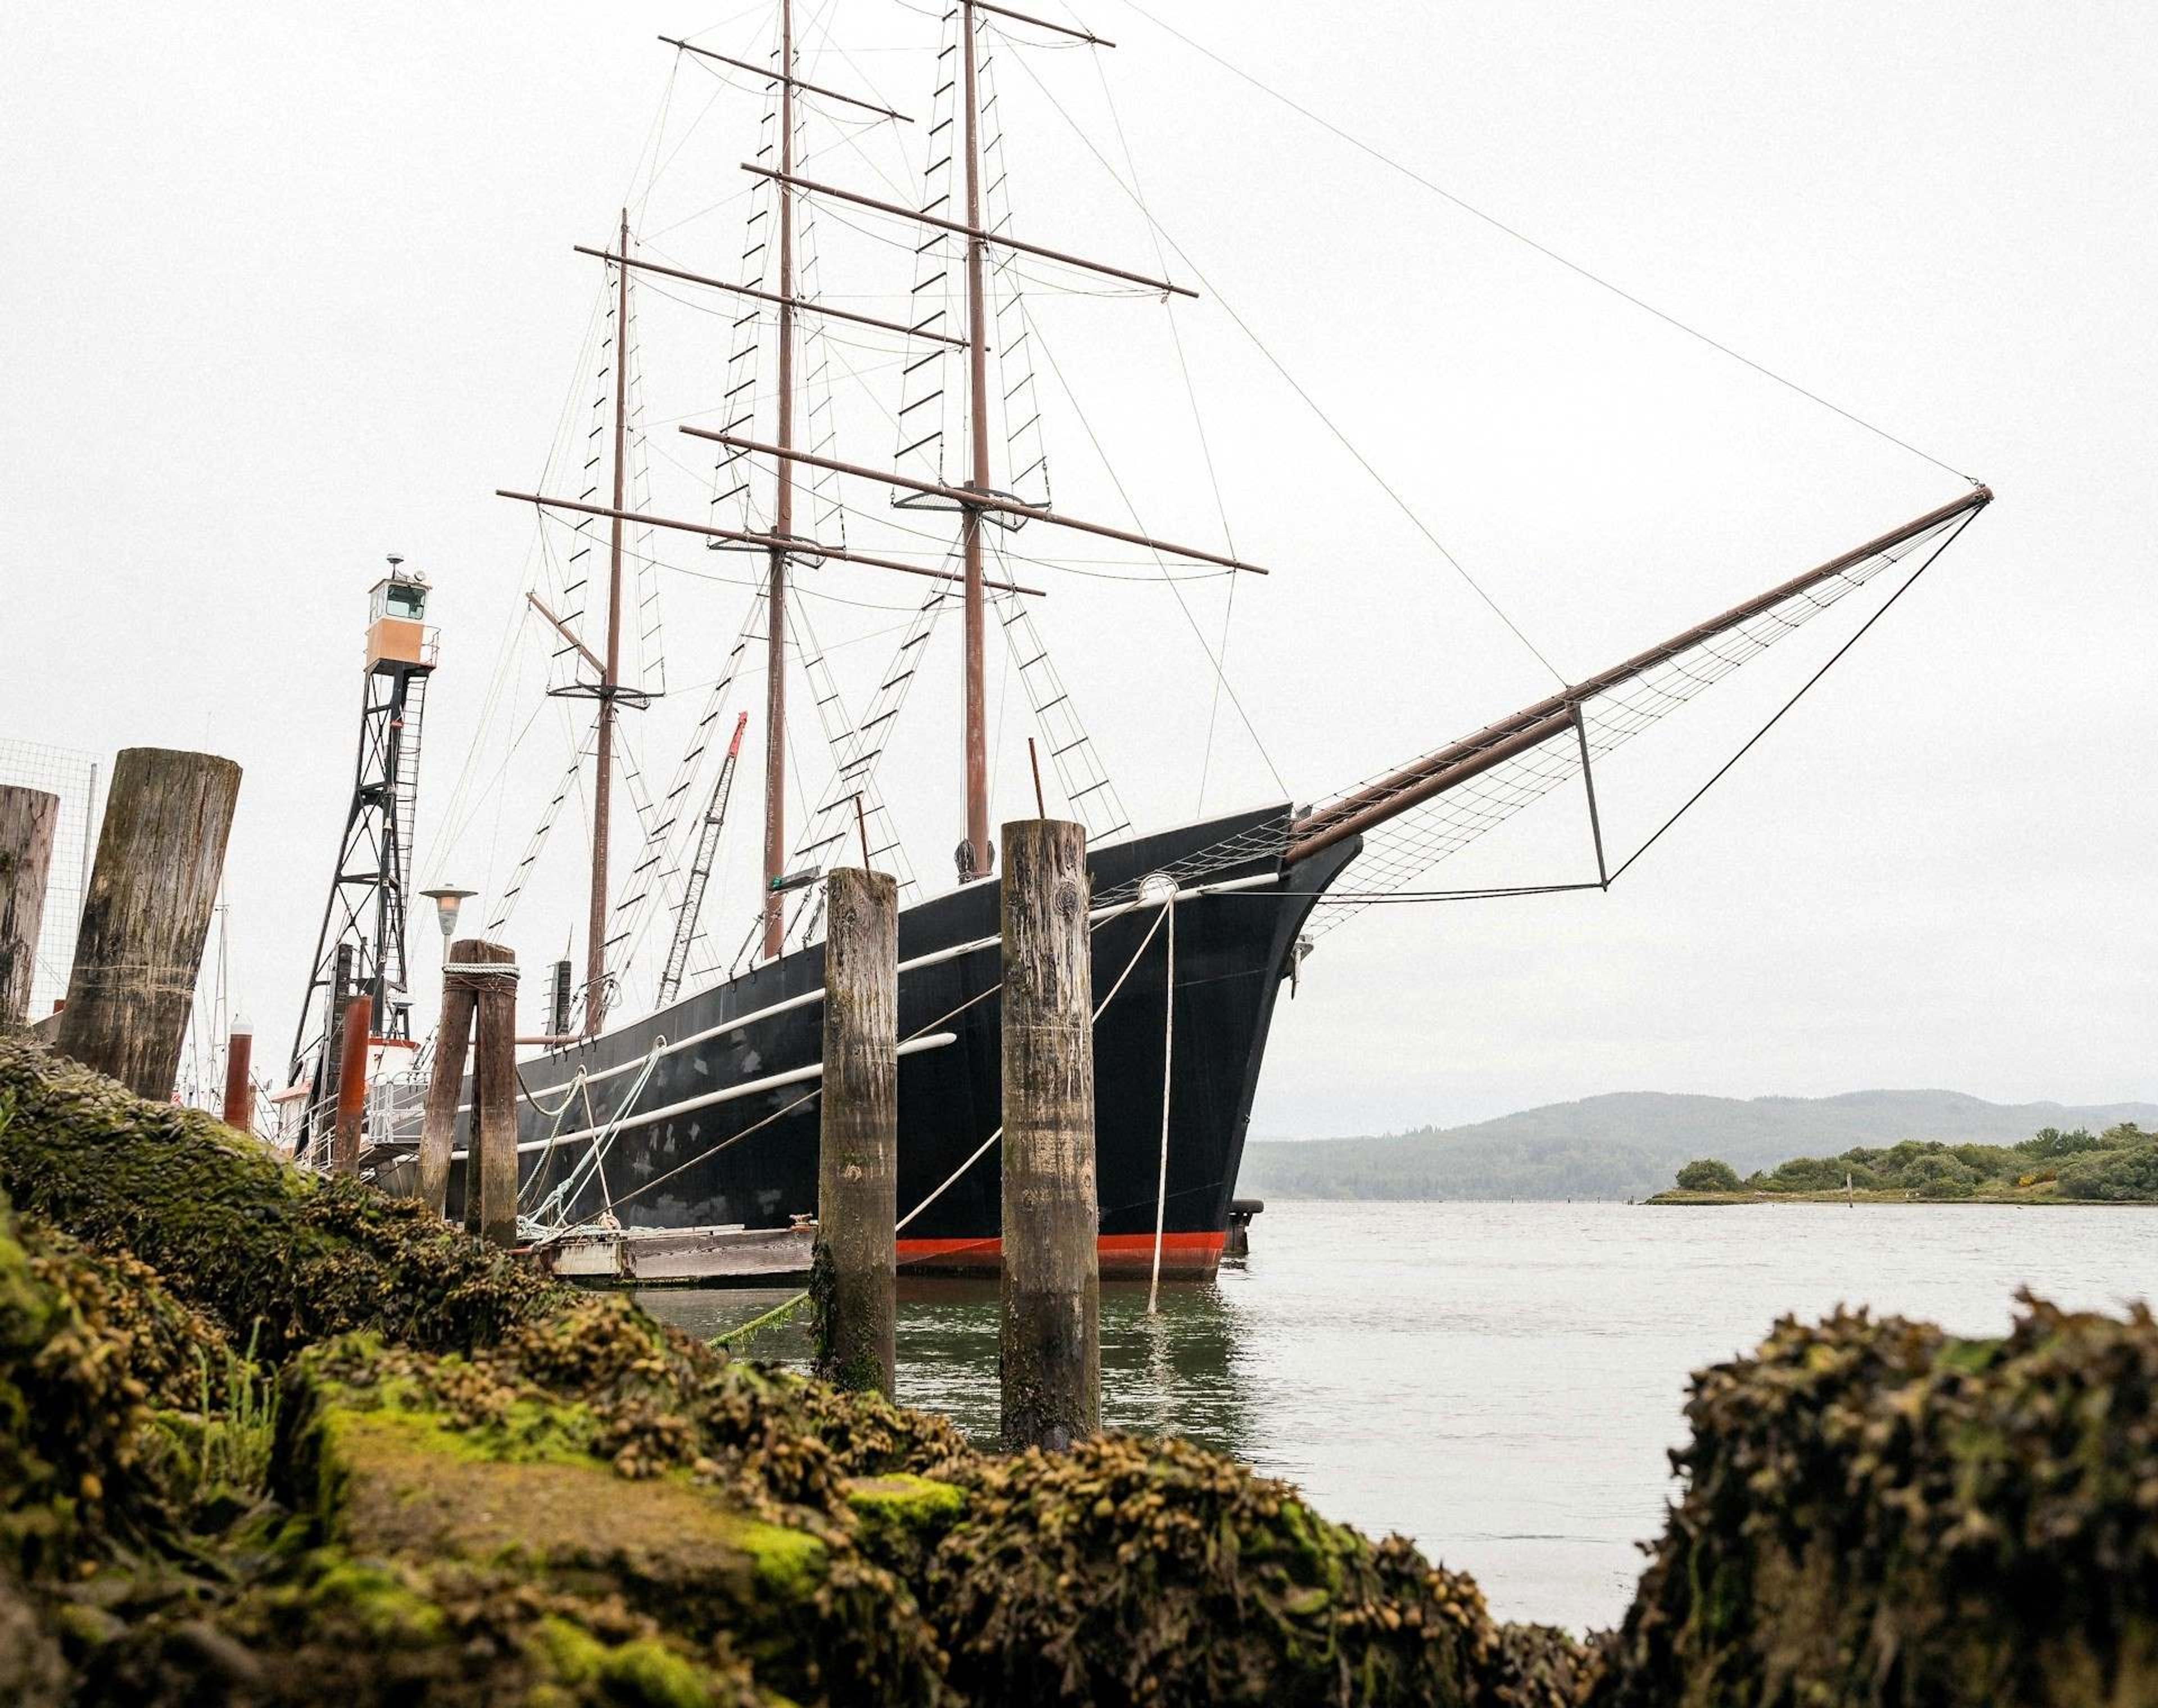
point(932, 959)
point(746, 1088)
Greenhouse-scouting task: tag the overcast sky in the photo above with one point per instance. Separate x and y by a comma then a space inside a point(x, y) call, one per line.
point(290, 289)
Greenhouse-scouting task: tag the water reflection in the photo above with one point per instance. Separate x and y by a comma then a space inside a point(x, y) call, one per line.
point(1181, 1371)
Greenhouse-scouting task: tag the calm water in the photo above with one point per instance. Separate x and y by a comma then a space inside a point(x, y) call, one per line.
point(1499, 1381)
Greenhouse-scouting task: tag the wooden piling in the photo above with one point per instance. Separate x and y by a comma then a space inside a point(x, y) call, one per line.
point(445, 1083)
point(853, 1280)
point(491, 1163)
point(356, 1040)
point(336, 1003)
point(159, 857)
point(28, 819)
point(1051, 1366)
point(240, 1077)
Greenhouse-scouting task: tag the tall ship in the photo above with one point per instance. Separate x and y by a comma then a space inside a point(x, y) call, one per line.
point(671, 1080)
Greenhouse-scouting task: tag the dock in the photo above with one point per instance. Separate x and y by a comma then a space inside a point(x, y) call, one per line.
point(704, 1256)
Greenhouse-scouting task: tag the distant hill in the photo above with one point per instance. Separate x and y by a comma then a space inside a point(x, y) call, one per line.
point(1628, 1144)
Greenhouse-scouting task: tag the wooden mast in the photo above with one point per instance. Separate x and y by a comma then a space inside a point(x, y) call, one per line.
point(603, 766)
point(970, 527)
point(783, 525)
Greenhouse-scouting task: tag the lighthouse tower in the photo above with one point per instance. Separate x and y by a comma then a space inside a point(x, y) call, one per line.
point(361, 948)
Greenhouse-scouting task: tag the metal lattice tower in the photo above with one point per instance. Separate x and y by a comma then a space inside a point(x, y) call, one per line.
point(359, 950)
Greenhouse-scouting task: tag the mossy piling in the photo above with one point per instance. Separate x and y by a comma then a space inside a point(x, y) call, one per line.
point(28, 820)
point(160, 855)
point(445, 1080)
point(853, 1274)
point(491, 1161)
point(1050, 1364)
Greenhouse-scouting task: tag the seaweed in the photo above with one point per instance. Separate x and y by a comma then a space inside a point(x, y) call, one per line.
point(1877, 1513)
point(1152, 1570)
point(236, 1232)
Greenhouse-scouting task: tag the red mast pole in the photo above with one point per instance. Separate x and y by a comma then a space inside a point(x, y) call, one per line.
point(977, 737)
point(782, 525)
point(603, 766)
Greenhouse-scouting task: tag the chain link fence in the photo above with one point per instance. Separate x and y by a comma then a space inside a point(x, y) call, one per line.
point(75, 777)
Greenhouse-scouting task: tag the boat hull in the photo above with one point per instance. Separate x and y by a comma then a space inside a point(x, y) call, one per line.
point(691, 1149)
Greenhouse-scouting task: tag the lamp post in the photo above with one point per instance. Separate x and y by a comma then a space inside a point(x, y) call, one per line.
point(448, 901)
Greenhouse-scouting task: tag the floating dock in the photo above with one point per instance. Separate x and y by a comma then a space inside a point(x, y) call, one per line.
point(702, 1256)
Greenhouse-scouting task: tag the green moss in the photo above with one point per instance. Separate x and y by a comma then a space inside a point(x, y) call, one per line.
point(531, 1432)
point(571, 1653)
point(642, 1671)
point(647, 1673)
point(900, 1518)
point(1970, 1356)
point(788, 1564)
point(380, 1600)
point(904, 1501)
point(1131, 1570)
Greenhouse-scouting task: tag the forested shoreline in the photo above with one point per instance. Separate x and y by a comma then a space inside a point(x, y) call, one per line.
point(2118, 1165)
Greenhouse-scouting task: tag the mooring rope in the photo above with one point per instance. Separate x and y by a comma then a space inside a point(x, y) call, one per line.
point(594, 1163)
point(554, 1130)
point(1168, 1044)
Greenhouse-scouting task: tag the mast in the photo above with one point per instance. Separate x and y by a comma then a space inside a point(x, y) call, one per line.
point(976, 498)
point(970, 527)
point(782, 522)
point(603, 766)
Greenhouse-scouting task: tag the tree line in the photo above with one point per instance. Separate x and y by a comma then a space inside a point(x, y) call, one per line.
point(2120, 1164)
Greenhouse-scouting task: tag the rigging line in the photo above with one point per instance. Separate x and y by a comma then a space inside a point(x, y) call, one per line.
point(690, 219)
point(631, 556)
point(826, 40)
point(1198, 421)
point(1049, 351)
point(1310, 402)
point(1546, 250)
point(732, 18)
point(453, 833)
point(645, 165)
point(749, 83)
point(509, 654)
point(1908, 582)
point(674, 154)
point(540, 705)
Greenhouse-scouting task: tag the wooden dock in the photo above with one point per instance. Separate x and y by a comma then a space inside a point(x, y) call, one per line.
point(706, 1257)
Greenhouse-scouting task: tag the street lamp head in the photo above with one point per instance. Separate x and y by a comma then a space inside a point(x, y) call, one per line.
point(448, 901)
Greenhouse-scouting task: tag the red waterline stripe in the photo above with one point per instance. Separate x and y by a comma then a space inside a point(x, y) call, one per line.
point(1107, 1246)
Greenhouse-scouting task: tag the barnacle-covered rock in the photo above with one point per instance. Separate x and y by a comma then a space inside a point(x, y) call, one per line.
point(479, 1488)
point(1132, 1569)
point(235, 1232)
point(85, 1345)
point(1877, 1513)
point(427, 1466)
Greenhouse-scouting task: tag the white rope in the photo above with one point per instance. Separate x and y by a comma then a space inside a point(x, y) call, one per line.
point(569, 1096)
point(554, 1132)
point(595, 1159)
point(1168, 1041)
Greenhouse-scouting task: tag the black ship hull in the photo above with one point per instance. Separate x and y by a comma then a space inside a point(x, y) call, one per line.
point(714, 1122)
